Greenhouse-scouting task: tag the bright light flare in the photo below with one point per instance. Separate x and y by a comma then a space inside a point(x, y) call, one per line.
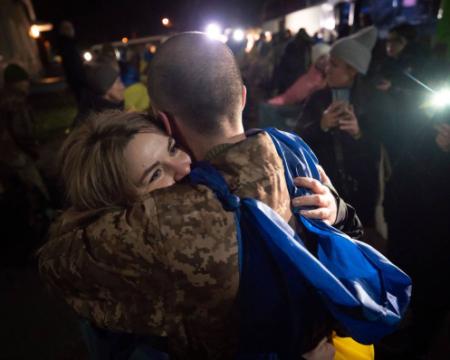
point(441, 98)
point(238, 35)
point(327, 7)
point(214, 31)
point(34, 31)
point(328, 23)
point(166, 22)
point(87, 56)
point(125, 40)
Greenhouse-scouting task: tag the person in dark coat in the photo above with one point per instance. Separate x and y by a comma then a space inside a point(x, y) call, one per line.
point(294, 62)
point(416, 205)
point(71, 59)
point(104, 91)
point(339, 124)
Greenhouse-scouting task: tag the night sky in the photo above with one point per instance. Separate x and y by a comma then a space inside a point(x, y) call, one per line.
point(98, 21)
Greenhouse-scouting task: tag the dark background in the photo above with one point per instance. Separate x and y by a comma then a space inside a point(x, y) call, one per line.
point(110, 20)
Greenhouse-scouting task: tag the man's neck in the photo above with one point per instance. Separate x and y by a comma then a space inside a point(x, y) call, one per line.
point(201, 144)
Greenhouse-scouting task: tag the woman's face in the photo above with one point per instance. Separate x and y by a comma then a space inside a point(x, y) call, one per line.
point(395, 44)
point(338, 73)
point(154, 162)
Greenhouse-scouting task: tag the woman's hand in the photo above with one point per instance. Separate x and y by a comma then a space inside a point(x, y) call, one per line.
point(349, 123)
point(321, 198)
point(330, 117)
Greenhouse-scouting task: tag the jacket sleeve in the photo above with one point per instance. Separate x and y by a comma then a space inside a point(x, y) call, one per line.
point(347, 220)
point(111, 271)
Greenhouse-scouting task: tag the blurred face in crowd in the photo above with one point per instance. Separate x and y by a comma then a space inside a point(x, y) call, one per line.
point(339, 74)
point(116, 92)
point(154, 162)
point(395, 44)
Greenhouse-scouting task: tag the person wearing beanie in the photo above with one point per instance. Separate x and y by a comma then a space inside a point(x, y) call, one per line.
point(104, 90)
point(338, 123)
point(356, 50)
point(14, 73)
point(308, 83)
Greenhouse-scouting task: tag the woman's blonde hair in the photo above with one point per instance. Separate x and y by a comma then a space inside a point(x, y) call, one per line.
point(92, 164)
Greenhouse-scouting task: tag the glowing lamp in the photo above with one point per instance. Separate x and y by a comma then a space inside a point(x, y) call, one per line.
point(87, 56)
point(238, 35)
point(214, 31)
point(34, 31)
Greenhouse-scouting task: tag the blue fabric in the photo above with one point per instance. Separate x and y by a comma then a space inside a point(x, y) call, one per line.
point(130, 75)
point(285, 292)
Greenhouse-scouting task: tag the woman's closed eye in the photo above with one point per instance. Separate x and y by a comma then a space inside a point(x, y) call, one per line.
point(155, 175)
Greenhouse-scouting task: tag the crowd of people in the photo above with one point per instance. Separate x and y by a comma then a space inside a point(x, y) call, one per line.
point(144, 248)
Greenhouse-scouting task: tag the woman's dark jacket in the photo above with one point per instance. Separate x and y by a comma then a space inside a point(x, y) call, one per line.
point(351, 164)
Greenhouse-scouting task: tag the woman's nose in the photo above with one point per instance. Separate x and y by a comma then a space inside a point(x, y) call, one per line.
point(181, 167)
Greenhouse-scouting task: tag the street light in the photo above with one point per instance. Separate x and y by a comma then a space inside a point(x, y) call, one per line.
point(441, 98)
point(238, 35)
point(214, 31)
point(166, 22)
point(125, 40)
point(87, 56)
point(34, 31)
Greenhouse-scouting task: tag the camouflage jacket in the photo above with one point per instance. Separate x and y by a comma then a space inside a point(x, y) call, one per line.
point(167, 266)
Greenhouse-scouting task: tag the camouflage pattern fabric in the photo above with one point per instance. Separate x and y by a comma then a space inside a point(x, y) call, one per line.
point(167, 266)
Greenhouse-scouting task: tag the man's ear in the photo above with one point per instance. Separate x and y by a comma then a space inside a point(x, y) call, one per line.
point(166, 122)
point(244, 97)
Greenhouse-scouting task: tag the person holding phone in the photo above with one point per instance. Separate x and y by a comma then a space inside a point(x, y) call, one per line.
point(340, 122)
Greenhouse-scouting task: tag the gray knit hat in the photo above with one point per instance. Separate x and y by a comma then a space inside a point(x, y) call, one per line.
point(100, 76)
point(356, 49)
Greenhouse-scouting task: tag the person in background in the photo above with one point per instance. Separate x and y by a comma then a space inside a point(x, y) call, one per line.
point(338, 123)
point(416, 206)
point(294, 62)
point(23, 194)
point(71, 59)
point(107, 55)
point(136, 96)
point(104, 91)
point(308, 83)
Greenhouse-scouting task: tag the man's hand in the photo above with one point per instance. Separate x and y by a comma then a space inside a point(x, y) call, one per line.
point(321, 198)
point(331, 116)
point(324, 351)
point(349, 123)
point(443, 137)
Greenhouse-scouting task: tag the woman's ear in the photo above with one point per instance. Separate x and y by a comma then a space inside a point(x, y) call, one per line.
point(166, 122)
